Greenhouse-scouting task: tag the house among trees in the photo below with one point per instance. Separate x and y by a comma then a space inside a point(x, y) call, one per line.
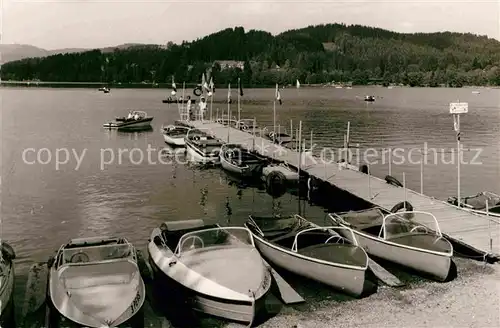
point(227, 64)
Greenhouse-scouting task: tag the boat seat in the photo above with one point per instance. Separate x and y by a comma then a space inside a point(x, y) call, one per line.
point(336, 253)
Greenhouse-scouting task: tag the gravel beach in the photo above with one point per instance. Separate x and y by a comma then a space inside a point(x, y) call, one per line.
point(471, 300)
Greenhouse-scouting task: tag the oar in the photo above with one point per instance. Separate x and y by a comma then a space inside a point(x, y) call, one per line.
point(288, 295)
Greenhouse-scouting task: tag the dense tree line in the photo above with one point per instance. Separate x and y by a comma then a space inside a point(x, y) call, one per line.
point(315, 54)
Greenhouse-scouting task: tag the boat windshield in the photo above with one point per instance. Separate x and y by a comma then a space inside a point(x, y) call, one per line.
point(409, 223)
point(220, 237)
point(97, 253)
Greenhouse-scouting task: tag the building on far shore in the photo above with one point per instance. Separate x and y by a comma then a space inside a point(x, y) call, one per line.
point(226, 64)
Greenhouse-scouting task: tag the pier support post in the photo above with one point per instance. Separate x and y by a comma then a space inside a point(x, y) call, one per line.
point(404, 188)
point(369, 182)
point(421, 172)
point(489, 224)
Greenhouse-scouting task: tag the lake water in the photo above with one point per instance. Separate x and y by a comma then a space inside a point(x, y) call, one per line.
point(44, 206)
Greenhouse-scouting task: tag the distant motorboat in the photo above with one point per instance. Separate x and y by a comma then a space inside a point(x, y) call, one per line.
point(135, 120)
point(171, 100)
point(238, 160)
point(96, 282)
point(370, 98)
point(104, 89)
point(476, 92)
point(175, 135)
point(202, 147)
point(247, 125)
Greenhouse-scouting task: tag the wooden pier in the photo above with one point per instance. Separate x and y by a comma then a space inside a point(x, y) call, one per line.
point(478, 231)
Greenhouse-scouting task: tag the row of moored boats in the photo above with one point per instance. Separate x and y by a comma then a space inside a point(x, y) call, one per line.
point(227, 271)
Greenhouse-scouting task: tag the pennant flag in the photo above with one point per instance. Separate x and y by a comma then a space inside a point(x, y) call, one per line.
point(239, 87)
point(204, 83)
point(174, 87)
point(278, 95)
point(107, 60)
point(211, 87)
point(102, 68)
point(229, 94)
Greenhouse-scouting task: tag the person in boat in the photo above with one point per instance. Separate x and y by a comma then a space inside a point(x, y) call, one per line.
point(203, 108)
point(130, 116)
point(136, 116)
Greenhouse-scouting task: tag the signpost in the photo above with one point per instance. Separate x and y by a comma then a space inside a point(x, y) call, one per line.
point(456, 109)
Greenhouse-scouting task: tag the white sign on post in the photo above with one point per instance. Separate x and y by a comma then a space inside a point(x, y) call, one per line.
point(459, 108)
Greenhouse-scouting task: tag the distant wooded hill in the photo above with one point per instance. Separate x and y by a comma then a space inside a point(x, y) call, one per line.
point(315, 54)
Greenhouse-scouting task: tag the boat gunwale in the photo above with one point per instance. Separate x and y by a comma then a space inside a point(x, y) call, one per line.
point(391, 243)
point(308, 258)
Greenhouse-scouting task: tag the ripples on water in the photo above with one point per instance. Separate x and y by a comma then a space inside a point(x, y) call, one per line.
point(43, 207)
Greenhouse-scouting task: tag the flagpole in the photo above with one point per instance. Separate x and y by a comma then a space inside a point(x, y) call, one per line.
point(211, 103)
point(182, 102)
point(239, 88)
point(228, 110)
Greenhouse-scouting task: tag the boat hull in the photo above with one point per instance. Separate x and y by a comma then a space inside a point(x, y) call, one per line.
point(61, 311)
point(436, 265)
point(222, 308)
point(249, 170)
point(174, 141)
point(195, 155)
point(7, 317)
point(348, 280)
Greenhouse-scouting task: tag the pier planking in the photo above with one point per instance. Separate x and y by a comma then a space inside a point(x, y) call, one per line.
point(470, 228)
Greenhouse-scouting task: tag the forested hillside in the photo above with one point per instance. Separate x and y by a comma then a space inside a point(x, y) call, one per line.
point(315, 54)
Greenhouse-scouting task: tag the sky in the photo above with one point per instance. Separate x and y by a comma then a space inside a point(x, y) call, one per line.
point(56, 24)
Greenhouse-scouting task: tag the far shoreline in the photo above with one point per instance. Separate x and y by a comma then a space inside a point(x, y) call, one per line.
point(91, 85)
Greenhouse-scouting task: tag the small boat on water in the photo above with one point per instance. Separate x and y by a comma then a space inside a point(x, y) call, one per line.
point(477, 203)
point(135, 120)
point(280, 138)
point(248, 125)
point(318, 253)
point(175, 135)
point(96, 282)
point(104, 89)
point(217, 270)
point(7, 256)
point(411, 239)
point(238, 160)
point(369, 98)
point(202, 147)
point(171, 100)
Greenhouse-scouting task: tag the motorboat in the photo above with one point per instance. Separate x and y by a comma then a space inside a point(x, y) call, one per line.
point(215, 270)
point(280, 138)
point(226, 120)
point(484, 202)
point(96, 282)
point(236, 159)
point(135, 120)
point(314, 252)
point(369, 98)
point(247, 125)
point(171, 100)
point(7, 256)
point(202, 147)
point(409, 238)
point(175, 135)
point(104, 89)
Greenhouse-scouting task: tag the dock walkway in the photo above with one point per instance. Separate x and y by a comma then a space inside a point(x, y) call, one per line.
point(473, 229)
